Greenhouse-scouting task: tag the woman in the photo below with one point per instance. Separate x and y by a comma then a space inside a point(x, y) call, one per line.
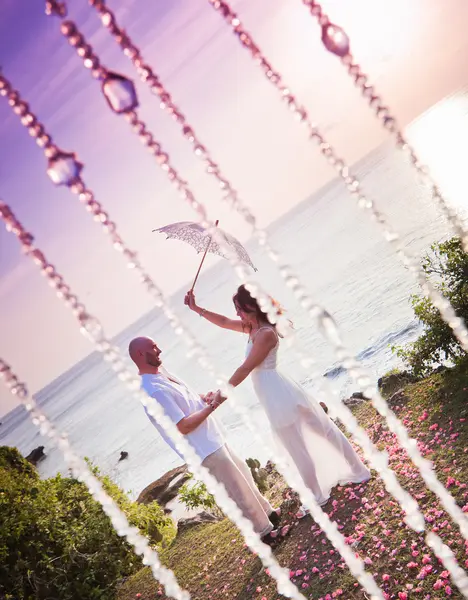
point(319, 450)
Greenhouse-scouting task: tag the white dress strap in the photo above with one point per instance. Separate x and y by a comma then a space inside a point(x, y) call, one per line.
point(265, 327)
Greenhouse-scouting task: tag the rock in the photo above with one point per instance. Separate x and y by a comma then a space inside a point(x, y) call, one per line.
point(388, 384)
point(123, 455)
point(398, 397)
point(202, 518)
point(36, 455)
point(350, 402)
point(165, 489)
point(359, 396)
point(173, 490)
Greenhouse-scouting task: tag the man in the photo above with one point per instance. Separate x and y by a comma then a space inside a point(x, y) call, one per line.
point(193, 417)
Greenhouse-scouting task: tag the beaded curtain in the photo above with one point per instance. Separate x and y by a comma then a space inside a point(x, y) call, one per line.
point(65, 169)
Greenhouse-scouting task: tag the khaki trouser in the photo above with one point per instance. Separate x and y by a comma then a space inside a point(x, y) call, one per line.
point(237, 478)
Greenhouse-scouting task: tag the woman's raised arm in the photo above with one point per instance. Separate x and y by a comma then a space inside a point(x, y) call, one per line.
point(212, 317)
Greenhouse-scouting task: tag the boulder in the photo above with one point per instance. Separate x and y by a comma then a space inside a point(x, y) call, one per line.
point(359, 396)
point(353, 401)
point(202, 518)
point(165, 489)
point(123, 455)
point(398, 398)
point(36, 455)
point(388, 384)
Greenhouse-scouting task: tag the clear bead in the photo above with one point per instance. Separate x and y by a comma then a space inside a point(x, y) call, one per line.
point(26, 240)
point(63, 168)
point(107, 19)
point(120, 93)
point(335, 40)
point(43, 140)
point(21, 108)
point(55, 8)
point(91, 327)
point(68, 28)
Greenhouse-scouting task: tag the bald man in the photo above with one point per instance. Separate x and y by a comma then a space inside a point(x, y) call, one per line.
point(194, 418)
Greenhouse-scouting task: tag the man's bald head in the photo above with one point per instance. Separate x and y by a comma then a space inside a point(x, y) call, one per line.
point(145, 354)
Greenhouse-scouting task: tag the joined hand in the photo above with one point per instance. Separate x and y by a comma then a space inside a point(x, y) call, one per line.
point(214, 399)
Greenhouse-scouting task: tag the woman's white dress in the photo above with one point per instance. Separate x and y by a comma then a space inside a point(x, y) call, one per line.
point(317, 448)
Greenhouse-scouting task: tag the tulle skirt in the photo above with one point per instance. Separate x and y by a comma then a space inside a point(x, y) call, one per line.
point(315, 447)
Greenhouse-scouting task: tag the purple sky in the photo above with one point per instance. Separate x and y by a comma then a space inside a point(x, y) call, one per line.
point(415, 52)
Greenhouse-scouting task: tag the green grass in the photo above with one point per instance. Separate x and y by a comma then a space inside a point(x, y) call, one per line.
point(212, 562)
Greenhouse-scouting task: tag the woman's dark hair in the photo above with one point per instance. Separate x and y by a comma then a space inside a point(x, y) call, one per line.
point(248, 304)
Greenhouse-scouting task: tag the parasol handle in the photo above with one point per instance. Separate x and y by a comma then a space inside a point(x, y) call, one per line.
point(202, 261)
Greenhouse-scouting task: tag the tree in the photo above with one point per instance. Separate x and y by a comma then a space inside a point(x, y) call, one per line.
point(447, 266)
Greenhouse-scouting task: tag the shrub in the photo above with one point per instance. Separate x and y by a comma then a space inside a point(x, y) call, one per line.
point(195, 495)
point(447, 266)
point(259, 475)
point(56, 541)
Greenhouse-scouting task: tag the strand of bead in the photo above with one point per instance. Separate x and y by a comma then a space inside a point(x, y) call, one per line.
point(125, 103)
point(353, 185)
point(356, 565)
point(84, 50)
point(82, 472)
point(167, 104)
point(147, 75)
point(353, 568)
point(362, 378)
point(91, 62)
point(121, 96)
point(92, 329)
point(337, 41)
point(379, 460)
point(65, 169)
point(78, 187)
point(90, 59)
point(445, 554)
point(441, 550)
point(325, 320)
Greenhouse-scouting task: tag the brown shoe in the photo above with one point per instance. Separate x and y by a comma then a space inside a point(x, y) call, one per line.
point(275, 517)
point(272, 538)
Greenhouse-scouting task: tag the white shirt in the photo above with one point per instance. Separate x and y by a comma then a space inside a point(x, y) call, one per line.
point(178, 401)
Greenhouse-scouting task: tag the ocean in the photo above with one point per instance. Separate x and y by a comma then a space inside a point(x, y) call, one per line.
point(344, 262)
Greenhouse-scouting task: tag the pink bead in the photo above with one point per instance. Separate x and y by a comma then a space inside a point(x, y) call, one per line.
point(335, 39)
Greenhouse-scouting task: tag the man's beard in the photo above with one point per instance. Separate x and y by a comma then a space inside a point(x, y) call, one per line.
point(153, 361)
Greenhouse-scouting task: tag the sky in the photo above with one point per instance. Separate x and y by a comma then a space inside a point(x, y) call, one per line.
point(415, 52)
